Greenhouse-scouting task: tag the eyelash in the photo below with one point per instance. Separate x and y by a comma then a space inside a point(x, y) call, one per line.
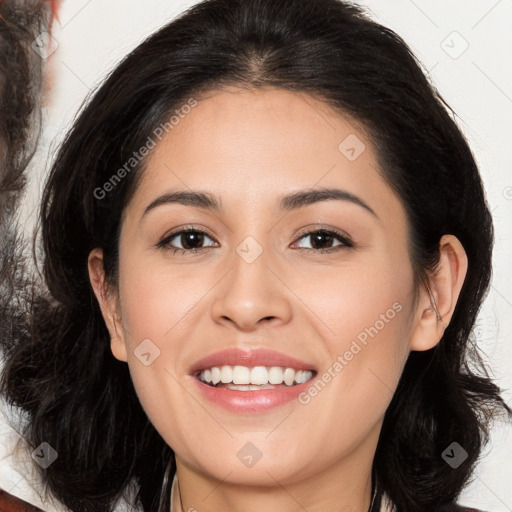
point(345, 241)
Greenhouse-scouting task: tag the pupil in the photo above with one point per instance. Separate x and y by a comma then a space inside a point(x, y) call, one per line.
point(318, 237)
point(187, 240)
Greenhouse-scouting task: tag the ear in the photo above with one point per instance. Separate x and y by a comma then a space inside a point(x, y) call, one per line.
point(108, 303)
point(438, 298)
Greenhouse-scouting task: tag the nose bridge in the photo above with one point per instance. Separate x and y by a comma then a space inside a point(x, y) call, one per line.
point(250, 292)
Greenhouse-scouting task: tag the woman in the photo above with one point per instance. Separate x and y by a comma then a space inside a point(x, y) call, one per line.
point(198, 340)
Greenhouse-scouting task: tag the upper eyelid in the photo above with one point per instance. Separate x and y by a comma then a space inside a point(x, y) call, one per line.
point(186, 228)
point(313, 229)
point(303, 233)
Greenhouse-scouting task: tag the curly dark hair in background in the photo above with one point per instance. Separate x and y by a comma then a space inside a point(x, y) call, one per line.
point(21, 79)
point(21, 82)
point(81, 400)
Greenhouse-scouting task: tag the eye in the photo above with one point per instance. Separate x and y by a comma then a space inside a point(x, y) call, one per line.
point(326, 237)
point(186, 240)
point(190, 240)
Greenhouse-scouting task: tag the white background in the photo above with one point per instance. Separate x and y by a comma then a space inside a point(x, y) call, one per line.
point(95, 34)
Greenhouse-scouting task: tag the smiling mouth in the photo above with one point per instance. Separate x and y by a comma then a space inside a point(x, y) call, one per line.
point(246, 378)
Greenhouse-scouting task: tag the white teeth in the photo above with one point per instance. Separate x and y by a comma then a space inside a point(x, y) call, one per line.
point(215, 375)
point(241, 375)
point(257, 377)
point(226, 374)
point(275, 375)
point(250, 387)
point(289, 376)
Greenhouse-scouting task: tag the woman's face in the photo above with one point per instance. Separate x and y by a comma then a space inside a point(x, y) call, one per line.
point(257, 282)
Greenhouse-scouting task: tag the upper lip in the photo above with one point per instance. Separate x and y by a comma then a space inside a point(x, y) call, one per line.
point(250, 358)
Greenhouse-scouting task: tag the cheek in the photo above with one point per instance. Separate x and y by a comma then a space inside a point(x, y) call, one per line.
point(367, 352)
point(156, 300)
point(368, 295)
point(154, 307)
point(363, 313)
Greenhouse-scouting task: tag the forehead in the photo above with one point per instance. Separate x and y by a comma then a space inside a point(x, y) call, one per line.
point(250, 146)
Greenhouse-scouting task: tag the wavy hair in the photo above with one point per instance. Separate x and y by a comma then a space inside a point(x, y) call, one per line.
point(81, 400)
point(21, 77)
point(21, 82)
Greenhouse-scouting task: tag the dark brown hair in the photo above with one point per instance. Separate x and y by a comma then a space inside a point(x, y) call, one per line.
point(81, 400)
point(21, 82)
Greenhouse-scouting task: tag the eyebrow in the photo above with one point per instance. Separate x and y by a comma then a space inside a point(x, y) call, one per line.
point(307, 197)
point(293, 201)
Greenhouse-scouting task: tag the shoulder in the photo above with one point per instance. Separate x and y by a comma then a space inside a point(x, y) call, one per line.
point(10, 503)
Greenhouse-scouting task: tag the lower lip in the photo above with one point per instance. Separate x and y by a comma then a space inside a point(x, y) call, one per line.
point(251, 402)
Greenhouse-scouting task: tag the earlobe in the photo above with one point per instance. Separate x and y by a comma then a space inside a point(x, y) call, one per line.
point(107, 303)
point(438, 297)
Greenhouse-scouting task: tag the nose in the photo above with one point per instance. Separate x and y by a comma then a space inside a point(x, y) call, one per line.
point(252, 295)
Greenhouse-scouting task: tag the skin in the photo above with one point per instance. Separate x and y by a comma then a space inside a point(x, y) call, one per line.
point(248, 148)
